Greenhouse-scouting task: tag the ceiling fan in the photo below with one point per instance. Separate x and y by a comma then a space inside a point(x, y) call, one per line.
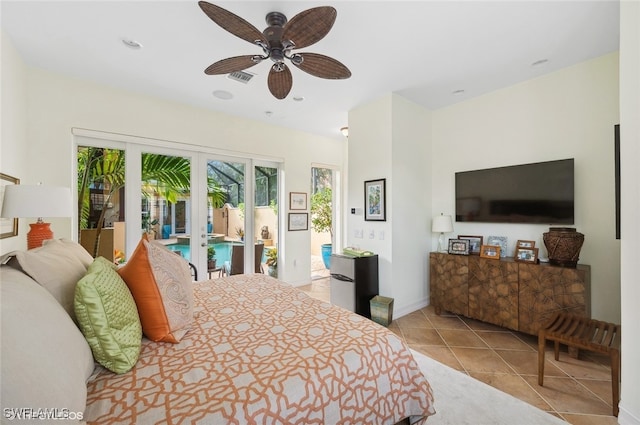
point(277, 42)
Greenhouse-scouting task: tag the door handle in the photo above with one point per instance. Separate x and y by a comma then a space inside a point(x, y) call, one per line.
point(203, 244)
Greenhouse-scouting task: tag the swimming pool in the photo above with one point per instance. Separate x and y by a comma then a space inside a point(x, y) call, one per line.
point(223, 251)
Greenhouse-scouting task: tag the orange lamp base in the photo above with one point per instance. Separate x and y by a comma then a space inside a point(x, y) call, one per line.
point(39, 233)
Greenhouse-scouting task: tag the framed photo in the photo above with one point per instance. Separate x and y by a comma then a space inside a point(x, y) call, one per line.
point(297, 201)
point(525, 244)
point(526, 255)
point(490, 251)
point(298, 221)
point(475, 242)
point(501, 241)
point(459, 246)
point(375, 200)
point(8, 226)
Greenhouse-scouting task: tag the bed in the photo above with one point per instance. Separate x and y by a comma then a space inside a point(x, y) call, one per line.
point(249, 349)
point(260, 351)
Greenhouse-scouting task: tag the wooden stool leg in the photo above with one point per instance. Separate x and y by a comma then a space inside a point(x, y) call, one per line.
point(556, 350)
point(541, 344)
point(615, 379)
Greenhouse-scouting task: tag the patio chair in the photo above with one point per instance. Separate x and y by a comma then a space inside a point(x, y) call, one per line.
point(236, 264)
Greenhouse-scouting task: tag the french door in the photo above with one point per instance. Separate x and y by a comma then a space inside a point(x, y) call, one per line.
point(193, 202)
point(228, 217)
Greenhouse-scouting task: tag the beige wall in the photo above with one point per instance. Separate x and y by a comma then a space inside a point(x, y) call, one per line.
point(13, 131)
point(390, 138)
point(570, 113)
point(630, 227)
point(566, 114)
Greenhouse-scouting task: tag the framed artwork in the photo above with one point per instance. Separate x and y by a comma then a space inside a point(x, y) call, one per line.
point(459, 246)
point(501, 241)
point(375, 200)
point(298, 221)
point(526, 255)
point(297, 201)
point(475, 242)
point(8, 226)
point(490, 251)
point(525, 244)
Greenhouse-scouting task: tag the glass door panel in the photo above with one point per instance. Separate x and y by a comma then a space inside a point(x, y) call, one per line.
point(166, 201)
point(321, 220)
point(101, 201)
point(225, 213)
point(266, 216)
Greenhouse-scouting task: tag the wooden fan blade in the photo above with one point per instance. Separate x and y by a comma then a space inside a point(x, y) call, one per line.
point(310, 26)
point(323, 66)
point(232, 23)
point(229, 65)
point(280, 82)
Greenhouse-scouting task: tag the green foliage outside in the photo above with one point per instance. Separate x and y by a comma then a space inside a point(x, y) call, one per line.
point(272, 257)
point(321, 219)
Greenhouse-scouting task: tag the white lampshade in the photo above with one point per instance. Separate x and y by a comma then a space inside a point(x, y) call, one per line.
point(23, 201)
point(442, 224)
point(36, 201)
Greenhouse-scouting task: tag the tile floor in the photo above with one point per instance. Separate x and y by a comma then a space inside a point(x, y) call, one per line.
point(578, 391)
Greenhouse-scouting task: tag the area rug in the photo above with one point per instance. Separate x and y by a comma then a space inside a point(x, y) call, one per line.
point(462, 400)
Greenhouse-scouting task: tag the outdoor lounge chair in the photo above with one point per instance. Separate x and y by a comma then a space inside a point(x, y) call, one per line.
point(236, 264)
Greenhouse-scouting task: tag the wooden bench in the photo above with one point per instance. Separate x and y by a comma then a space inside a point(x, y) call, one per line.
point(586, 334)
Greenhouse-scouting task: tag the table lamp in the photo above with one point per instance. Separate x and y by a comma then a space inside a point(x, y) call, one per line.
point(23, 201)
point(442, 224)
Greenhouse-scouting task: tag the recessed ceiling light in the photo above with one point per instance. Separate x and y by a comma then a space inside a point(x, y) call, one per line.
point(223, 94)
point(457, 92)
point(298, 98)
point(268, 113)
point(540, 62)
point(132, 44)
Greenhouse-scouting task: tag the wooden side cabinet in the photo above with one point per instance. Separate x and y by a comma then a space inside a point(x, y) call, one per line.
point(545, 290)
point(514, 295)
point(493, 291)
point(449, 288)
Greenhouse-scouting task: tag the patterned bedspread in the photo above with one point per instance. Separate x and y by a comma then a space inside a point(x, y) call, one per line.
point(262, 352)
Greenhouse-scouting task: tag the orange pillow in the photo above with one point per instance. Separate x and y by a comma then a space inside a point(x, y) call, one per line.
point(160, 282)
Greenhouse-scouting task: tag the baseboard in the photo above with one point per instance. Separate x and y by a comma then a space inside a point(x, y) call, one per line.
point(410, 308)
point(626, 418)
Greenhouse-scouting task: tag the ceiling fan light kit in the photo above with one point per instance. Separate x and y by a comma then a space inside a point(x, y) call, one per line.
point(278, 41)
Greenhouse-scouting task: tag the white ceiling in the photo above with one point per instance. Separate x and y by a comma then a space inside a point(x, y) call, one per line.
point(422, 50)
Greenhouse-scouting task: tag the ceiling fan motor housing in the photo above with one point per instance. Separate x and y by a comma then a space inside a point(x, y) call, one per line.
point(273, 34)
point(276, 19)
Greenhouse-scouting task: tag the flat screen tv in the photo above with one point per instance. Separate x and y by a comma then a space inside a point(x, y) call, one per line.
point(541, 192)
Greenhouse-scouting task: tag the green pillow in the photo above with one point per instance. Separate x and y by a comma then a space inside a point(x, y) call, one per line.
point(108, 317)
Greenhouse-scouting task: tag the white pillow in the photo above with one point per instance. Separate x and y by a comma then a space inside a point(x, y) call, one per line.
point(45, 359)
point(58, 266)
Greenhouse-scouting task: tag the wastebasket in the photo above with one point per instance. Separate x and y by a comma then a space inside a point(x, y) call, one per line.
point(381, 310)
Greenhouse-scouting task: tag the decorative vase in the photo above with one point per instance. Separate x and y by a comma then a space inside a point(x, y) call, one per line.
point(563, 245)
point(272, 271)
point(211, 264)
point(326, 255)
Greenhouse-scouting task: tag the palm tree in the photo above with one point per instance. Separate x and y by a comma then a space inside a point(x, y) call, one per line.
point(162, 175)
